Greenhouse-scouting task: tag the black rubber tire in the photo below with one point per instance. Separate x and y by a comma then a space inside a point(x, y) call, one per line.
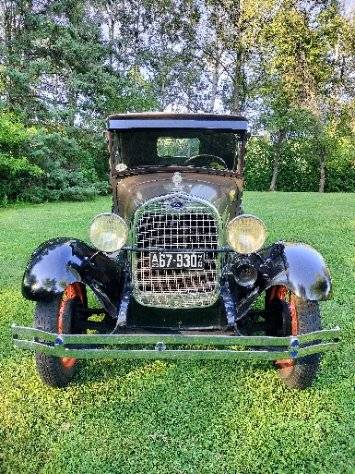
point(49, 368)
point(305, 369)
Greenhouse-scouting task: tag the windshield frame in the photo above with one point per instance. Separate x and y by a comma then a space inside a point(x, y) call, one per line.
point(118, 138)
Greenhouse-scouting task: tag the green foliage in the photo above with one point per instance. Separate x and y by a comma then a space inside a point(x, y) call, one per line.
point(58, 81)
point(299, 168)
point(189, 417)
point(13, 134)
point(168, 146)
point(341, 165)
point(16, 176)
point(64, 66)
point(58, 165)
point(296, 139)
point(258, 164)
point(17, 173)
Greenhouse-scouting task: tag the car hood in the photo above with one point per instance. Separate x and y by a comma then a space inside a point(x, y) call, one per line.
point(221, 191)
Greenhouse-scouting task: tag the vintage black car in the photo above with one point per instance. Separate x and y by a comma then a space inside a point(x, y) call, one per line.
point(177, 264)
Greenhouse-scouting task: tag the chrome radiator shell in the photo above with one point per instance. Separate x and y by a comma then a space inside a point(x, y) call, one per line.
point(176, 222)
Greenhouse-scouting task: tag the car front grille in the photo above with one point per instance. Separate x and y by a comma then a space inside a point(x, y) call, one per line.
point(192, 226)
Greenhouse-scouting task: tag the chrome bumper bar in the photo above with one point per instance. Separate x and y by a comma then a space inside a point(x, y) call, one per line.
point(100, 346)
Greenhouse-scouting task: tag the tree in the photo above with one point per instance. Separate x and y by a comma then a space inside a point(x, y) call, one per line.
point(56, 75)
point(302, 61)
point(287, 64)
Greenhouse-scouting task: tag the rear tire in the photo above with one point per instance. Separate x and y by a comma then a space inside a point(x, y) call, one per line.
point(58, 316)
point(304, 317)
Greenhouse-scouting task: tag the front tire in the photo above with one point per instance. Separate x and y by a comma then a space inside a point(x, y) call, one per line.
point(60, 315)
point(288, 314)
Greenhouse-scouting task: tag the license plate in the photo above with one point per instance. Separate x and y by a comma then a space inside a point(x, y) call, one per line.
point(192, 260)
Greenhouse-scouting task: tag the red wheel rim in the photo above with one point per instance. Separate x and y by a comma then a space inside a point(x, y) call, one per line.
point(72, 292)
point(283, 294)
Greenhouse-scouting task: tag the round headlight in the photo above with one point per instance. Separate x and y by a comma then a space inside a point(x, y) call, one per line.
point(108, 232)
point(246, 234)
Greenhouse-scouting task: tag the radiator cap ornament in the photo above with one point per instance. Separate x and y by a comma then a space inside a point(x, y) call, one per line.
point(177, 179)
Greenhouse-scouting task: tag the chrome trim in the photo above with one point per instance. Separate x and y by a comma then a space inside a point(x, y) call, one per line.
point(154, 249)
point(200, 339)
point(57, 345)
point(176, 288)
point(170, 354)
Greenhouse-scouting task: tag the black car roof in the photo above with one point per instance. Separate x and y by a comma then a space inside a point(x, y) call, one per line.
point(164, 120)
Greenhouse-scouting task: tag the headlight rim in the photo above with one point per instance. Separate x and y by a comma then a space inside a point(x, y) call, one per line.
point(120, 220)
point(243, 216)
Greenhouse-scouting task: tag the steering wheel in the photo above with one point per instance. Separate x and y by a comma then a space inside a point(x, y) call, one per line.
point(203, 157)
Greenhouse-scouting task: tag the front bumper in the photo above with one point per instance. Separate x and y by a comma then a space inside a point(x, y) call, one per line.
point(156, 346)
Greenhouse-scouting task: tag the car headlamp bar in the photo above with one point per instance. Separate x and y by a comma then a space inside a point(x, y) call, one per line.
point(177, 250)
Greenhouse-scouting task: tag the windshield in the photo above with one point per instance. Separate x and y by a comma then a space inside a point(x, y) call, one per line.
point(195, 148)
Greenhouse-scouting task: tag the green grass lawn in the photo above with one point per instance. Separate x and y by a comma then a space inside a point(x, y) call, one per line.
point(180, 417)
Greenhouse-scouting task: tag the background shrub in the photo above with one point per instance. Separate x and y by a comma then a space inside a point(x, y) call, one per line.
point(38, 165)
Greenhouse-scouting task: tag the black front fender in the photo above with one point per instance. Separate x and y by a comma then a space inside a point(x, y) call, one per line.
point(59, 262)
point(306, 273)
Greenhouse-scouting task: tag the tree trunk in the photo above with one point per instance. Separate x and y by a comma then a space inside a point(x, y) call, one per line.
point(322, 175)
point(238, 95)
point(10, 27)
point(275, 172)
point(111, 35)
point(215, 80)
point(276, 162)
point(238, 92)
